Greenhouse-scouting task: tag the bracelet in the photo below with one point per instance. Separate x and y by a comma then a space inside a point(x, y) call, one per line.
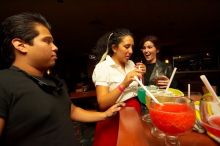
point(121, 88)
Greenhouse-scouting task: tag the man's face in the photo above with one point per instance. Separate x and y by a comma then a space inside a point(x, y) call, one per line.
point(42, 54)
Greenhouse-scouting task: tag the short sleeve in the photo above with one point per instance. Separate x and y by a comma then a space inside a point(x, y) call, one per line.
point(100, 75)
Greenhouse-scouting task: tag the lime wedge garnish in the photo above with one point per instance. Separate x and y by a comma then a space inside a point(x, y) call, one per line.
point(176, 92)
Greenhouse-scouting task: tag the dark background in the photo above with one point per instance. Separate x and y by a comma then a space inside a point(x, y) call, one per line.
point(183, 26)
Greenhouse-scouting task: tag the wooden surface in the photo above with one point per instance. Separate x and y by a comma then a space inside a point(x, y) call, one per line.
point(131, 132)
point(188, 139)
point(130, 129)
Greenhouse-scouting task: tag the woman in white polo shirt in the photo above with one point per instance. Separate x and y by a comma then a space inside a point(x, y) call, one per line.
point(113, 77)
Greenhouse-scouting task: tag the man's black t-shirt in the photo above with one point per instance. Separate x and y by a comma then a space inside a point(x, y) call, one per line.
point(34, 116)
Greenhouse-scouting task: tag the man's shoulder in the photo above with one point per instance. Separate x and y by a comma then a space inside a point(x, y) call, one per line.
point(6, 79)
point(5, 72)
point(8, 74)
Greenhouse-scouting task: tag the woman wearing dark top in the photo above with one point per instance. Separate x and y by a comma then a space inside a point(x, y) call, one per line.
point(158, 73)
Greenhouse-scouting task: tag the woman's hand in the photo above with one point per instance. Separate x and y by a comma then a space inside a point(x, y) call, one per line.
point(141, 67)
point(114, 109)
point(162, 81)
point(139, 71)
point(130, 77)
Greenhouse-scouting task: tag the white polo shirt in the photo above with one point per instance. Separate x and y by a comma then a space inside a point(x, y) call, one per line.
point(108, 73)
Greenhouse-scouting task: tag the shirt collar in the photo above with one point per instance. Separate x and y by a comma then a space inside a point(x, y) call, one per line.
point(111, 62)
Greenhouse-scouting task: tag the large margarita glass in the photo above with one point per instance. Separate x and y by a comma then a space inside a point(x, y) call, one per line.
point(210, 117)
point(161, 95)
point(174, 116)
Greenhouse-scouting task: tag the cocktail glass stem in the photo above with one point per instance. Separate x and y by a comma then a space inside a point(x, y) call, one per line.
point(155, 132)
point(172, 141)
point(146, 118)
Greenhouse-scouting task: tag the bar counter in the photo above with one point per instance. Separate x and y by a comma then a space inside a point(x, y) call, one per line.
point(136, 132)
point(189, 139)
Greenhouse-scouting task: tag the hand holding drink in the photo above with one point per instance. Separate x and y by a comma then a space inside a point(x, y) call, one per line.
point(141, 67)
point(162, 81)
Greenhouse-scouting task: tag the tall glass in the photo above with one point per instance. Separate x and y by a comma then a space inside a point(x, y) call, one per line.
point(195, 96)
point(160, 76)
point(145, 100)
point(145, 104)
point(174, 116)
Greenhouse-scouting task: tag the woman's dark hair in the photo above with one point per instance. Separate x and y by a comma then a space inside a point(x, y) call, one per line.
point(107, 40)
point(152, 39)
point(20, 26)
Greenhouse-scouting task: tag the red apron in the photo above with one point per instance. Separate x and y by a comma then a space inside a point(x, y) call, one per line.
point(106, 132)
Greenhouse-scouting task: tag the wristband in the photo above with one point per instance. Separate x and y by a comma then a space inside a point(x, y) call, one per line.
point(121, 88)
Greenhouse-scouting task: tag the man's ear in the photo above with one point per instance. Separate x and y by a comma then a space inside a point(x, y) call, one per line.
point(19, 45)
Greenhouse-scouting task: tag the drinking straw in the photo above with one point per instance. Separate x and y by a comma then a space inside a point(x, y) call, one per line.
point(209, 87)
point(148, 92)
point(188, 91)
point(139, 67)
point(171, 78)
